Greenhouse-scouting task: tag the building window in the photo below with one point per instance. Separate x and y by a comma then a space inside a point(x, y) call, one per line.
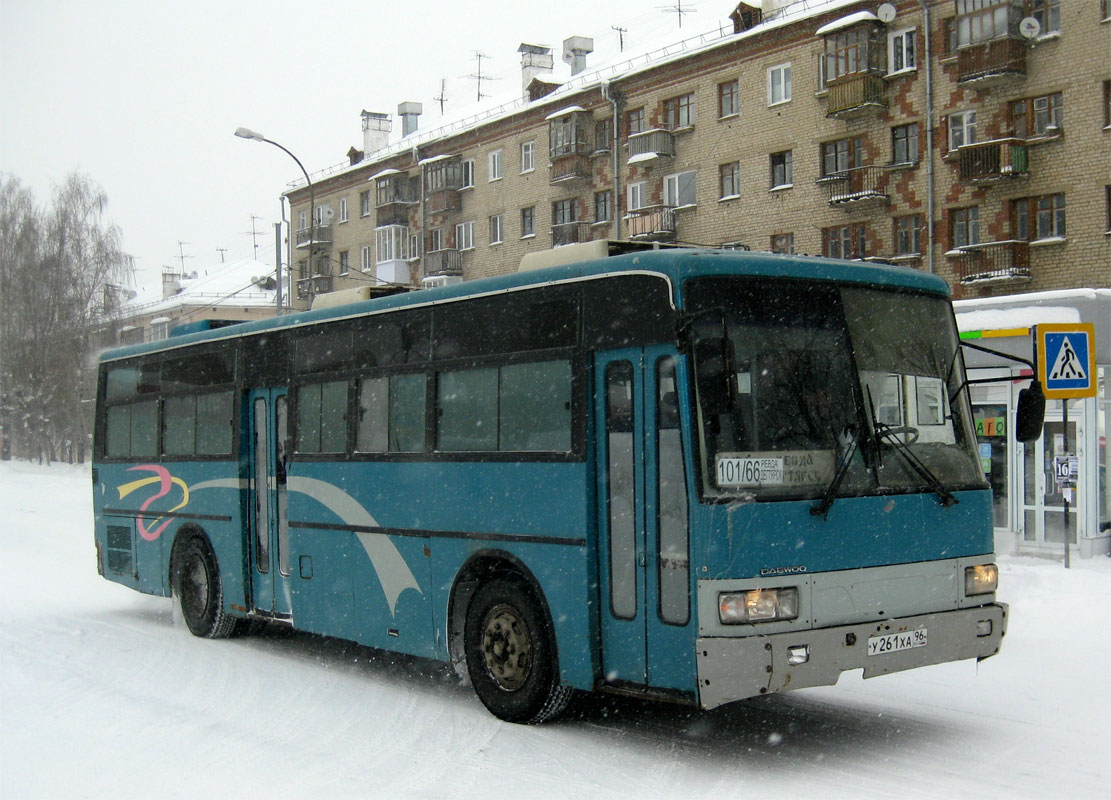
point(302, 220)
point(728, 99)
point(679, 190)
point(603, 135)
point(414, 246)
point(495, 165)
point(393, 243)
point(1107, 101)
point(851, 52)
point(603, 202)
point(364, 203)
point(1105, 10)
point(636, 196)
point(344, 262)
point(634, 121)
point(467, 174)
point(1039, 217)
point(435, 240)
point(1037, 116)
point(528, 221)
point(1107, 203)
point(464, 236)
point(904, 144)
point(964, 227)
point(842, 155)
point(679, 112)
point(367, 259)
point(908, 235)
point(981, 21)
point(528, 156)
point(844, 241)
point(781, 172)
point(497, 223)
point(729, 180)
point(1048, 13)
point(962, 129)
point(564, 211)
point(900, 50)
point(783, 243)
point(779, 84)
point(343, 209)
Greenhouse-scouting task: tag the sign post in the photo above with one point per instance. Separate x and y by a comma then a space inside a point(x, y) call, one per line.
point(1066, 356)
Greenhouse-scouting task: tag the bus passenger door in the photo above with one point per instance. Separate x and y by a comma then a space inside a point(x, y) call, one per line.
point(642, 520)
point(269, 522)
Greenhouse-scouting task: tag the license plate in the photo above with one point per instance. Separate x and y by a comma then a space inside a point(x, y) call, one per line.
point(894, 642)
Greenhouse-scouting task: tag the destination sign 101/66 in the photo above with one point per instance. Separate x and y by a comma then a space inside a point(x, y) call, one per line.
point(787, 468)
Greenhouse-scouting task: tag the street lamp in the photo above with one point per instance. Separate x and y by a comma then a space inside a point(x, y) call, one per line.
point(247, 133)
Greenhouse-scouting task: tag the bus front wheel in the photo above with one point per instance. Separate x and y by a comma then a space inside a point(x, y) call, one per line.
point(510, 654)
point(196, 587)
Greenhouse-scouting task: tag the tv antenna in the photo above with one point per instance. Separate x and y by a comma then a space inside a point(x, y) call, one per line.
point(254, 234)
point(620, 36)
point(478, 77)
point(678, 10)
point(221, 251)
point(443, 95)
point(181, 255)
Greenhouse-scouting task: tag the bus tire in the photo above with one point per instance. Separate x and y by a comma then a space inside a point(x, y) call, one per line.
point(510, 654)
point(197, 590)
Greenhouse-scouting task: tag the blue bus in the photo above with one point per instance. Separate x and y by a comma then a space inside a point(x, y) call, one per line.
point(696, 475)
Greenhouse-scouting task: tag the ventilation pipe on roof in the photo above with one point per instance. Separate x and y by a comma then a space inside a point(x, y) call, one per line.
point(575, 51)
point(536, 60)
point(409, 113)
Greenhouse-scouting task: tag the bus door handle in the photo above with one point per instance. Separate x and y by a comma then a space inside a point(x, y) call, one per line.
point(642, 559)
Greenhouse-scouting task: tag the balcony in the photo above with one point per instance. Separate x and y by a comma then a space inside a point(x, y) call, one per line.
point(394, 197)
point(317, 235)
point(310, 287)
point(443, 262)
point(993, 161)
point(570, 167)
point(570, 233)
point(654, 224)
point(651, 144)
point(443, 200)
point(993, 262)
point(856, 96)
point(857, 187)
point(991, 61)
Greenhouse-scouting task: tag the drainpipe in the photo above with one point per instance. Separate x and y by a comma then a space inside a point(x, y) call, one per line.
point(609, 94)
point(423, 219)
point(929, 139)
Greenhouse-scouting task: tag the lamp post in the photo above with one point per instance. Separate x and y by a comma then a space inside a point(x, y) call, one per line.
point(247, 133)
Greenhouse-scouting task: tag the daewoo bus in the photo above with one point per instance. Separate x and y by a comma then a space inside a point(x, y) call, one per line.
point(699, 475)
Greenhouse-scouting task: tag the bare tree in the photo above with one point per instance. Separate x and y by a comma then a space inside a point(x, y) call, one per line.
point(57, 270)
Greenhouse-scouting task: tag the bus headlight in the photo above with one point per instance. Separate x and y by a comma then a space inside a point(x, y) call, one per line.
point(980, 579)
point(758, 605)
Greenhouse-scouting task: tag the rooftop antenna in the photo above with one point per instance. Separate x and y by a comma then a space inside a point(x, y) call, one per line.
point(678, 10)
point(478, 77)
point(254, 234)
point(181, 255)
point(620, 36)
point(221, 251)
point(443, 95)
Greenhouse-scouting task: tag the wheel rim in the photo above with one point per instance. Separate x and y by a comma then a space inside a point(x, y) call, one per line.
point(507, 648)
point(194, 588)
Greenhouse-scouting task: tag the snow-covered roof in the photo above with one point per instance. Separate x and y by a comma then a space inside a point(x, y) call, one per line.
point(227, 284)
point(1001, 319)
point(846, 22)
point(611, 64)
point(564, 112)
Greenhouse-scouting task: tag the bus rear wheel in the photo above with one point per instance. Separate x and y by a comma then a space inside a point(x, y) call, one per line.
point(510, 654)
point(196, 587)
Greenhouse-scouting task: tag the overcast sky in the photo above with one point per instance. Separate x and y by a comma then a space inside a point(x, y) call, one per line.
point(143, 95)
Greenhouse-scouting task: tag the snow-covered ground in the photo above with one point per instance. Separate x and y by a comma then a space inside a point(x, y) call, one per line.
point(104, 694)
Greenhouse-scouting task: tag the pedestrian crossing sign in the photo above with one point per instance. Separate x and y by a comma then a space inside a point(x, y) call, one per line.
point(1067, 359)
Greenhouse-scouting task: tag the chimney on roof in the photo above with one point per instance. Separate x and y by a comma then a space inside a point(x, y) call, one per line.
point(536, 60)
point(376, 132)
point(575, 51)
point(409, 112)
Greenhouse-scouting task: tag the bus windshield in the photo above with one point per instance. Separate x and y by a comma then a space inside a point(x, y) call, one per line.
point(799, 383)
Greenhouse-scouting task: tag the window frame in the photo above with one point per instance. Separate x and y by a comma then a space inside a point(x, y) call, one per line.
point(497, 228)
point(897, 41)
point(528, 213)
point(464, 235)
point(909, 143)
point(679, 112)
point(674, 185)
point(729, 180)
point(343, 209)
point(528, 156)
point(603, 206)
point(965, 123)
point(466, 173)
point(495, 167)
point(784, 72)
point(847, 241)
point(907, 234)
point(729, 99)
point(966, 219)
point(785, 165)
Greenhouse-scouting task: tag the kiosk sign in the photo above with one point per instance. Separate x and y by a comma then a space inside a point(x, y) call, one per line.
point(1067, 359)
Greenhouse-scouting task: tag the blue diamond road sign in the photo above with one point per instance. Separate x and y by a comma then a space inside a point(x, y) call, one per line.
point(1066, 360)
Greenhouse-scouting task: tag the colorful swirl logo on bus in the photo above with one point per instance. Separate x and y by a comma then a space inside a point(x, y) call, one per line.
point(165, 482)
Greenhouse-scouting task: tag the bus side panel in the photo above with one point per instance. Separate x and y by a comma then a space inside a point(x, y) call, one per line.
point(202, 496)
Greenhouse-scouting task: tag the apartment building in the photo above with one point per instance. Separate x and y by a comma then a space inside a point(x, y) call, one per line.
point(971, 138)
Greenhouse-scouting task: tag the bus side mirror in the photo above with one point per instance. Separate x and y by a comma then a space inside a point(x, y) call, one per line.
point(713, 363)
point(1030, 413)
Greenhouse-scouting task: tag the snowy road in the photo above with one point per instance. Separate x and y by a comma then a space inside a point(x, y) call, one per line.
point(103, 694)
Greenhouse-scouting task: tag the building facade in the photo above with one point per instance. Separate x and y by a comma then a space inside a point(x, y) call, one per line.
point(971, 138)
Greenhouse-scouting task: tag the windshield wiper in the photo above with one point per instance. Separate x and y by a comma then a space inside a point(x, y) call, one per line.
point(822, 509)
point(890, 434)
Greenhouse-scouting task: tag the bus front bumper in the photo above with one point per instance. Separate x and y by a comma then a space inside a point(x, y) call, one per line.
point(733, 668)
